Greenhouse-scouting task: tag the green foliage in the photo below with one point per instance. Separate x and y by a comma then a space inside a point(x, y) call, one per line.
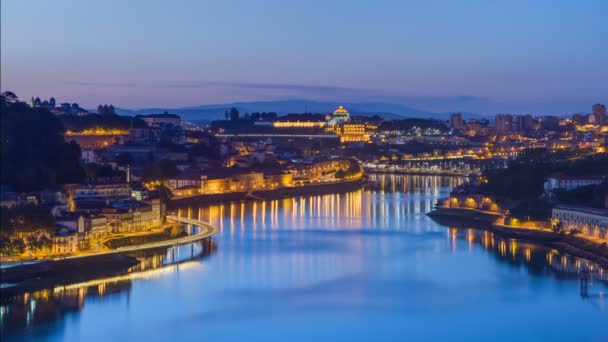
point(234, 114)
point(160, 170)
point(524, 179)
point(11, 247)
point(95, 171)
point(34, 153)
point(26, 218)
point(590, 196)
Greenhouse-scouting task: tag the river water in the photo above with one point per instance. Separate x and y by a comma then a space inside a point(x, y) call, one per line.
point(366, 265)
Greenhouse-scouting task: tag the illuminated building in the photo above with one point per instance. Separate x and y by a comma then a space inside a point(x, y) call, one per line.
point(349, 132)
point(340, 116)
point(339, 123)
point(161, 120)
point(561, 181)
point(588, 221)
point(456, 121)
point(503, 123)
point(298, 124)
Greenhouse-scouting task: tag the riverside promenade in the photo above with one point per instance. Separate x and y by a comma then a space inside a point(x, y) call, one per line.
point(17, 277)
point(206, 231)
point(588, 247)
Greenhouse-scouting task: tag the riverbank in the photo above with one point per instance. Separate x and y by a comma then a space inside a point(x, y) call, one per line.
point(269, 194)
point(25, 277)
point(567, 243)
point(423, 173)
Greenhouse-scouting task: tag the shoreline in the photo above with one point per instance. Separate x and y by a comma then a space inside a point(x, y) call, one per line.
point(51, 272)
point(421, 173)
point(270, 194)
point(570, 244)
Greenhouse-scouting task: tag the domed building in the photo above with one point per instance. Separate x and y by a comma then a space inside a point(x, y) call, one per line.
point(340, 116)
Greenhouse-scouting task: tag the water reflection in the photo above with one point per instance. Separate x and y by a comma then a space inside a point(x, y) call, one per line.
point(364, 265)
point(47, 306)
point(538, 260)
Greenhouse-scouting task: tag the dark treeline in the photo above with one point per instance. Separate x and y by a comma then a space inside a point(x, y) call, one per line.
point(34, 153)
point(523, 181)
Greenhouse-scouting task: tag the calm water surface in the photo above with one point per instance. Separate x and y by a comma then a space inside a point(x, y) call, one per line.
point(367, 265)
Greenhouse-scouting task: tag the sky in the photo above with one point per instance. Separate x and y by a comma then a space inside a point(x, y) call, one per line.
point(466, 55)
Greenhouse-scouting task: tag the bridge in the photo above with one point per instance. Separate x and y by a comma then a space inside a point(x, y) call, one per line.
point(441, 165)
point(272, 135)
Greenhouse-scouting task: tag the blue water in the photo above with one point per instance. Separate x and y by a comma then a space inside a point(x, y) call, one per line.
point(367, 265)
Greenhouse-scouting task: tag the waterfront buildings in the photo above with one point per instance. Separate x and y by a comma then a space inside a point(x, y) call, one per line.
point(588, 221)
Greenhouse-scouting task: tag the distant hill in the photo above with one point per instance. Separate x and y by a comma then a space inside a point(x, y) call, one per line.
point(216, 111)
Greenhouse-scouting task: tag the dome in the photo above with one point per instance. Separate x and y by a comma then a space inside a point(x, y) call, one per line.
point(341, 110)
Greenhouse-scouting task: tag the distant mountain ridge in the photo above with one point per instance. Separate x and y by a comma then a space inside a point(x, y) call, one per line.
point(216, 111)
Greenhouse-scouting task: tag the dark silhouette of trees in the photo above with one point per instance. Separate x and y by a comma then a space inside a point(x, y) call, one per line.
point(34, 153)
point(234, 114)
point(106, 110)
point(9, 97)
point(159, 170)
point(26, 218)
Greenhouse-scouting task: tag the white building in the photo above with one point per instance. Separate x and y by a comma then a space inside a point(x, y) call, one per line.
point(589, 221)
point(116, 190)
point(564, 182)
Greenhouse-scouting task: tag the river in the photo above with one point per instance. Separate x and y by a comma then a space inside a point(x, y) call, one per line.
point(366, 265)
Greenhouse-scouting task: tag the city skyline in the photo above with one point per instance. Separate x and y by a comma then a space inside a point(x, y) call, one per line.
point(538, 57)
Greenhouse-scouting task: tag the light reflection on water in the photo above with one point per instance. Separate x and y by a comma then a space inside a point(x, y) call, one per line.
point(364, 265)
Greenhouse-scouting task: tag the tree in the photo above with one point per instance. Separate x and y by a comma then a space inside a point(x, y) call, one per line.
point(9, 97)
point(11, 247)
point(160, 170)
point(31, 244)
point(34, 153)
point(234, 114)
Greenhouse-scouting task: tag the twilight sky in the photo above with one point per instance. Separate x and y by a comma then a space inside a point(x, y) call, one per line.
point(485, 56)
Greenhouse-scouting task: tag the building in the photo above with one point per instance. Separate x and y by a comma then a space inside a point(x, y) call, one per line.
point(588, 221)
point(561, 181)
point(598, 115)
point(297, 124)
point(340, 116)
point(503, 123)
point(115, 190)
point(214, 185)
point(248, 181)
point(46, 104)
point(352, 132)
point(599, 109)
point(161, 120)
point(94, 226)
point(65, 241)
point(184, 180)
point(278, 180)
point(132, 216)
point(456, 121)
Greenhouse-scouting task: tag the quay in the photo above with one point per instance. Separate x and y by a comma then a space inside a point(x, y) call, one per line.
point(31, 274)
